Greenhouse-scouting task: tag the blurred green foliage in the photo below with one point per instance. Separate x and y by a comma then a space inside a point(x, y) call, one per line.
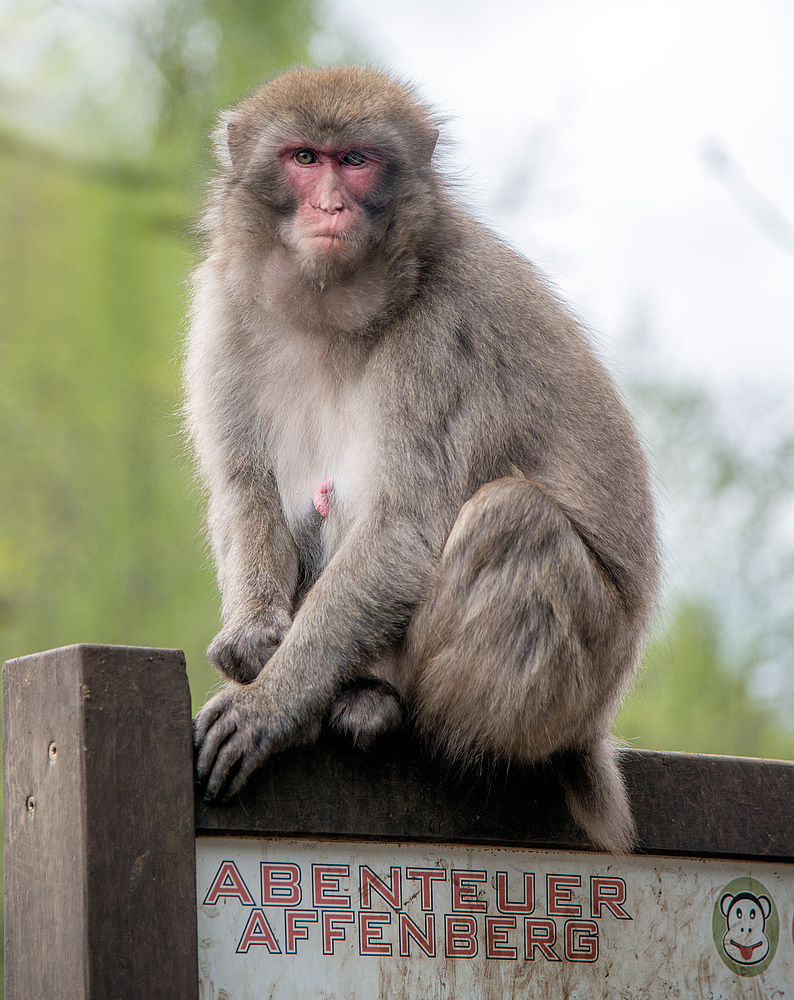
point(688, 699)
point(100, 535)
point(718, 674)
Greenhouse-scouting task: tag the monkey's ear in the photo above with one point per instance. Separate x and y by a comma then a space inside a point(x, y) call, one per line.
point(432, 139)
point(228, 138)
point(234, 138)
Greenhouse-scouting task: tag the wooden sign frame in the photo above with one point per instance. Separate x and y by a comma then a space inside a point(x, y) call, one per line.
point(100, 821)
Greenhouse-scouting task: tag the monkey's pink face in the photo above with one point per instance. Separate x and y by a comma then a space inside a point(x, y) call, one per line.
point(330, 186)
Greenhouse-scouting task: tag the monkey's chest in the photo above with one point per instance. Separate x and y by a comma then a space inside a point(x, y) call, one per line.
point(321, 456)
point(318, 433)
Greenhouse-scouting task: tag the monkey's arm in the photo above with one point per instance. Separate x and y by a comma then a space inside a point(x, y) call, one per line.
point(359, 606)
point(257, 571)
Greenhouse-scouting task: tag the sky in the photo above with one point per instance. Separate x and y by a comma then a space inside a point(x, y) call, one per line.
point(642, 153)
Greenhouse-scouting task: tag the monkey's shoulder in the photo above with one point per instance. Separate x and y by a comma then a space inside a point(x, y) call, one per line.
point(486, 318)
point(483, 282)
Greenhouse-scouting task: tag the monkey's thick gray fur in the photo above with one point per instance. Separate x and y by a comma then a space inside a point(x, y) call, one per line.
point(490, 551)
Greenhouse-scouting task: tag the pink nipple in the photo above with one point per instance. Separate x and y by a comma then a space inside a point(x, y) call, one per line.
point(320, 497)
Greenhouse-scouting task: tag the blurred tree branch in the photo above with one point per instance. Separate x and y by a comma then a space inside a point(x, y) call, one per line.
point(761, 209)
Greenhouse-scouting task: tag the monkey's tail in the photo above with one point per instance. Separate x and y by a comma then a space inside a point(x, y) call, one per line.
point(596, 795)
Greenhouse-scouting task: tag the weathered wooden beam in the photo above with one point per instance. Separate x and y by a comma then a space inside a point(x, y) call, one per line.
point(99, 843)
point(684, 804)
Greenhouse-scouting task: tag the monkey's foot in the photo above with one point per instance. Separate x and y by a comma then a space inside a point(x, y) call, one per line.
point(237, 731)
point(365, 710)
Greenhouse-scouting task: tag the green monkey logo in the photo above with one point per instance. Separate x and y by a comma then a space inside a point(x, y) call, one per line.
point(745, 926)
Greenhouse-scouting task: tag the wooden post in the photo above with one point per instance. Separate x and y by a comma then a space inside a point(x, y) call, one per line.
point(100, 894)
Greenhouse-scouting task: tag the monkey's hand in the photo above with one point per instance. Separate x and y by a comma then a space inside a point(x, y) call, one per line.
point(242, 648)
point(235, 732)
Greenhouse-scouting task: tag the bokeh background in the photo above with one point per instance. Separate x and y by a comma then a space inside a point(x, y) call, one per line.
point(642, 154)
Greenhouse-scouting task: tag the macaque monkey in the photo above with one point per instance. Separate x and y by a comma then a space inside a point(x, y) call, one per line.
point(426, 498)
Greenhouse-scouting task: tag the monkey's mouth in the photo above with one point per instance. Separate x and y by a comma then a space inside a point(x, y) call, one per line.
point(326, 234)
point(330, 243)
point(746, 949)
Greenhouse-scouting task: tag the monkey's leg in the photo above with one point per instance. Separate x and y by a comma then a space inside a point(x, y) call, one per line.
point(359, 606)
point(523, 650)
point(257, 570)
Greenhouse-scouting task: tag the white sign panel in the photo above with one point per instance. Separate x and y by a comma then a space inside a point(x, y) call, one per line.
point(298, 920)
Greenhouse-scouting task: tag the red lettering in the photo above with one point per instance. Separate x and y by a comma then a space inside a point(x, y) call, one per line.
point(427, 876)
point(370, 930)
point(392, 893)
point(461, 936)
point(325, 886)
point(280, 885)
point(496, 929)
point(540, 934)
point(258, 931)
point(464, 891)
point(228, 882)
point(334, 929)
point(609, 892)
point(295, 929)
point(581, 941)
point(426, 941)
point(504, 905)
point(559, 892)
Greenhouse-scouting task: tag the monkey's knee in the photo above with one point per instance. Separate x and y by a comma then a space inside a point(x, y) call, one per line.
point(366, 710)
point(517, 649)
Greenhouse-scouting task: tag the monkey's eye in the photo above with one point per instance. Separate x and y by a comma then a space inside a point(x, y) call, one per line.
point(305, 156)
point(354, 158)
